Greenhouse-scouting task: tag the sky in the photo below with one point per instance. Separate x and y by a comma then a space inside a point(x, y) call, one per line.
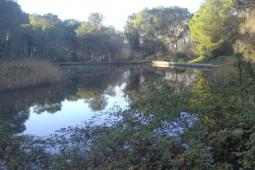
point(115, 12)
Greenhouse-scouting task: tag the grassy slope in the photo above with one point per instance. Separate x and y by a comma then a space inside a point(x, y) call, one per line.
point(200, 59)
point(220, 60)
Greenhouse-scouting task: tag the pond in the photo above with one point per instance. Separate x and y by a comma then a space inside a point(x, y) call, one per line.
point(132, 116)
point(41, 111)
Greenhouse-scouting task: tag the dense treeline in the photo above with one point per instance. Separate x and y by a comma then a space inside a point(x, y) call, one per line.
point(159, 31)
point(47, 37)
point(216, 29)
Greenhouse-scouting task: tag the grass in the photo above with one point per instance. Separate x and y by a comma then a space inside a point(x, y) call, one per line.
point(219, 60)
point(198, 59)
point(22, 73)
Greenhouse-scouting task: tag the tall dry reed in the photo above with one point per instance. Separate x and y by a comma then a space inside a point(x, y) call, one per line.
point(28, 72)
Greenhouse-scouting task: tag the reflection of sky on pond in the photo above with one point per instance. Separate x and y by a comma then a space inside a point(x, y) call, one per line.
point(72, 113)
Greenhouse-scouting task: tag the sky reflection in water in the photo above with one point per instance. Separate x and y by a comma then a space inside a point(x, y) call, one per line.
point(72, 113)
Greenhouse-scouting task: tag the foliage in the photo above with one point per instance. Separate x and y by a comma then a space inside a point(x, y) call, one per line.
point(99, 44)
point(44, 22)
point(244, 4)
point(198, 59)
point(94, 23)
point(246, 40)
point(11, 17)
point(158, 30)
point(47, 37)
point(214, 28)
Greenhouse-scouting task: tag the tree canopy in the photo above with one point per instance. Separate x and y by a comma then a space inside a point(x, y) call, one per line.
point(214, 27)
point(158, 29)
point(48, 37)
point(165, 32)
point(11, 18)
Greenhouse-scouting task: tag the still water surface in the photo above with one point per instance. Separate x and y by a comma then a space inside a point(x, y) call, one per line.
point(41, 111)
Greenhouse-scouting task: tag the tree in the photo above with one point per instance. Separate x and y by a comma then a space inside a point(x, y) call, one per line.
point(96, 19)
point(97, 42)
point(141, 31)
point(132, 34)
point(245, 4)
point(160, 28)
point(45, 37)
point(94, 23)
point(214, 28)
point(70, 40)
point(11, 18)
point(173, 27)
point(44, 22)
point(246, 39)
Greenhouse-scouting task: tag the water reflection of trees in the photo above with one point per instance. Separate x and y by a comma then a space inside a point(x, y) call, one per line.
point(222, 102)
point(141, 80)
point(92, 88)
point(15, 105)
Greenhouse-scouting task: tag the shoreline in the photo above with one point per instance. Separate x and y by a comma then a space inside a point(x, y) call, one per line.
point(37, 77)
